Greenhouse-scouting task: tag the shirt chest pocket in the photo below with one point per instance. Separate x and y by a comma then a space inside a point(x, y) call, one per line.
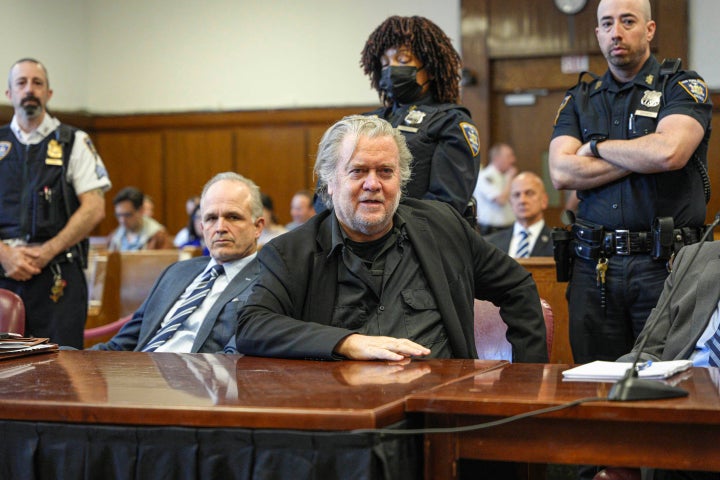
point(419, 299)
point(423, 323)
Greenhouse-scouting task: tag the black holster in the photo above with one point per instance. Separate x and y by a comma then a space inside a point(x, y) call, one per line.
point(563, 253)
point(663, 238)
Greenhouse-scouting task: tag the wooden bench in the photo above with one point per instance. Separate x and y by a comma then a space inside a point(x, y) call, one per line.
point(118, 282)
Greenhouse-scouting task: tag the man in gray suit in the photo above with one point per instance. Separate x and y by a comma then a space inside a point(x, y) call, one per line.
point(682, 329)
point(692, 315)
point(528, 200)
point(232, 221)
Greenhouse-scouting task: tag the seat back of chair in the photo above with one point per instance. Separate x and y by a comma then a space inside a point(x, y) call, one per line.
point(138, 272)
point(12, 312)
point(490, 331)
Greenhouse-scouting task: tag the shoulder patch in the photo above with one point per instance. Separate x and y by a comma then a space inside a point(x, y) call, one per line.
point(471, 137)
point(91, 147)
point(696, 88)
point(560, 108)
point(5, 148)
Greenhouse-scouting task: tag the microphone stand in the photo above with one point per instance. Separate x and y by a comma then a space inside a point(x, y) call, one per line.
point(631, 387)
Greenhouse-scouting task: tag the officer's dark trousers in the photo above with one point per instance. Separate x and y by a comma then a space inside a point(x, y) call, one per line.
point(63, 322)
point(633, 284)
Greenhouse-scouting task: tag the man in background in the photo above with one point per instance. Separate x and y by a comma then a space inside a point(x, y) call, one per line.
point(52, 183)
point(193, 305)
point(492, 190)
point(301, 208)
point(136, 231)
point(529, 236)
point(148, 206)
point(183, 236)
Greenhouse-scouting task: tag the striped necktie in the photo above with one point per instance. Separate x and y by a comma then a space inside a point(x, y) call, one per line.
point(188, 306)
point(523, 248)
point(713, 344)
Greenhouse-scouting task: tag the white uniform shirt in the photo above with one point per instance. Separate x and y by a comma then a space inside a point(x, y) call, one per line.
point(490, 184)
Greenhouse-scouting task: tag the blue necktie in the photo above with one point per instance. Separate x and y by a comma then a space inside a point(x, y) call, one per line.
point(523, 249)
point(189, 305)
point(713, 344)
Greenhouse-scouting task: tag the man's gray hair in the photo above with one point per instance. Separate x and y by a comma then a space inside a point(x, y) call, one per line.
point(331, 150)
point(256, 208)
point(30, 60)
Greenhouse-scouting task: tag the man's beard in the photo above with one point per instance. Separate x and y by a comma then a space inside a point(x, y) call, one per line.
point(32, 109)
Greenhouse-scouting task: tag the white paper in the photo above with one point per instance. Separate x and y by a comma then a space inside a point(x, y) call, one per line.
point(602, 370)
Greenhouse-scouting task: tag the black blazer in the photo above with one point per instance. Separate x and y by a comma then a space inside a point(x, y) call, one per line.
point(289, 310)
point(543, 246)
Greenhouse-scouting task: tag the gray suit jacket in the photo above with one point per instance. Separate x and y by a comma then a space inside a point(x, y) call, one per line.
point(686, 316)
point(219, 324)
point(543, 246)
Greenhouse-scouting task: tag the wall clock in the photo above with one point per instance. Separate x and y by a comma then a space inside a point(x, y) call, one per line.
point(570, 7)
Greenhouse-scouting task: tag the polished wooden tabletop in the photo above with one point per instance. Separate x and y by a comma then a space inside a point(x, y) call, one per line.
point(217, 390)
point(517, 388)
point(679, 433)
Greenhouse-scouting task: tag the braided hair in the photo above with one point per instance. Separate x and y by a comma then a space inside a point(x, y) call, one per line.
point(427, 42)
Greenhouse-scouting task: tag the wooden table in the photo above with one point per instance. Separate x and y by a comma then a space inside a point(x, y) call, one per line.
point(245, 414)
point(216, 390)
point(674, 434)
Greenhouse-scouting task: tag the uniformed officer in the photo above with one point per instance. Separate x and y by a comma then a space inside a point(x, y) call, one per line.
point(51, 184)
point(633, 143)
point(416, 71)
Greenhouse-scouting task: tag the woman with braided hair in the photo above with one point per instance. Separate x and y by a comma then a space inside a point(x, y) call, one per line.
point(416, 72)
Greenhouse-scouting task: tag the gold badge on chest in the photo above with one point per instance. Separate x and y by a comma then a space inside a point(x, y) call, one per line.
point(54, 154)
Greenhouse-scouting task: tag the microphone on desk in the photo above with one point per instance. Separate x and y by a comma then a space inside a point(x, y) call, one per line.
point(631, 387)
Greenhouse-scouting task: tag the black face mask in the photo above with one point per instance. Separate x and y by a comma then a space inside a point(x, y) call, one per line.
point(400, 83)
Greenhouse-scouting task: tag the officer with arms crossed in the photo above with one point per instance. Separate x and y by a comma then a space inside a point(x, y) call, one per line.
point(51, 184)
point(633, 143)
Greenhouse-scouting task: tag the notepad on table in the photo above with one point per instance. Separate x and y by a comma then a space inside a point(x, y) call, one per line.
point(601, 370)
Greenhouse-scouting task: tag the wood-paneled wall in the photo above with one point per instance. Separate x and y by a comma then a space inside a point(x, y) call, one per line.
point(171, 156)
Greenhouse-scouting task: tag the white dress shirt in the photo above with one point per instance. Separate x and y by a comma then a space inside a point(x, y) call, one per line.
point(533, 234)
point(183, 339)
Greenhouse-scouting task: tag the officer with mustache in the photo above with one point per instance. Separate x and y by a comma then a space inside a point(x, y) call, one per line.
point(52, 183)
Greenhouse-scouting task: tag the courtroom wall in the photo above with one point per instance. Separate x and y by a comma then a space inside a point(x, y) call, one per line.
point(139, 56)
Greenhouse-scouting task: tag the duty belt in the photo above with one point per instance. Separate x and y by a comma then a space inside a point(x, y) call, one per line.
point(594, 244)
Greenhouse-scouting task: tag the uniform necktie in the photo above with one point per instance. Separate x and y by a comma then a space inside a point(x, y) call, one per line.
point(523, 248)
point(713, 344)
point(189, 305)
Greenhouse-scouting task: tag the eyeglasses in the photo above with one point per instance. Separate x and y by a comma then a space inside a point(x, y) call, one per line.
point(124, 214)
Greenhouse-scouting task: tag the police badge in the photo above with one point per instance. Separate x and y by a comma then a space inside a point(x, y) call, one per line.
point(414, 117)
point(651, 99)
point(54, 154)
